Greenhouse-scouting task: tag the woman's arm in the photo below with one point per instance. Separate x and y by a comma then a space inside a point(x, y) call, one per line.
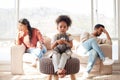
point(19, 37)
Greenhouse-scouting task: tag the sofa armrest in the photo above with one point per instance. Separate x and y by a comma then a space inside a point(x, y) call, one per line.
point(75, 44)
point(107, 50)
point(16, 59)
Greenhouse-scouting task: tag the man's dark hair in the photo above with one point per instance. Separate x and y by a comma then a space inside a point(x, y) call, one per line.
point(64, 18)
point(98, 26)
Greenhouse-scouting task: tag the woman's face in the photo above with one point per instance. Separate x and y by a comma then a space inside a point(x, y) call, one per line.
point(62, 27)
point(22, 27)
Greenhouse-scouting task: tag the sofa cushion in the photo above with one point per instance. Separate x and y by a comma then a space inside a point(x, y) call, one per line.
point(47, 42)
point(27, 57)
point(107, 50)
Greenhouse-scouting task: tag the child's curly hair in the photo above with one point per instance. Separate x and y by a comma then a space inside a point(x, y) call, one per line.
point(64, 18)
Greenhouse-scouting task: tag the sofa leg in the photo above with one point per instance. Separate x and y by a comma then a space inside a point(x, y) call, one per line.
point(72, 76)
point(56, 77)
point(49, 77)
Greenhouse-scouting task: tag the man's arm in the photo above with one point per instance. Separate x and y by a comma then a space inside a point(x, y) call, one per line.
point(108, 40)
point(107, 34)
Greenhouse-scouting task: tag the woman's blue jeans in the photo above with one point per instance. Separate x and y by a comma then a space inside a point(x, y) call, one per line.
point(94, 51)
point(37, 51)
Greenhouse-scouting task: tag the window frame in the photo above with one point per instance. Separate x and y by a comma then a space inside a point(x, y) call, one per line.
point(116, 15)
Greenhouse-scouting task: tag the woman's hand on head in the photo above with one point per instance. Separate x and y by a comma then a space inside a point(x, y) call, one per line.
point(20, 34)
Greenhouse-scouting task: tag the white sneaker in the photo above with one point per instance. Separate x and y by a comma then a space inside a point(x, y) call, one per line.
point(108, 61)
point(85, 76)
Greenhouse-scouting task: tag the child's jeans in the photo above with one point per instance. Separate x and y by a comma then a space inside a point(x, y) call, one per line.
point(59, 60)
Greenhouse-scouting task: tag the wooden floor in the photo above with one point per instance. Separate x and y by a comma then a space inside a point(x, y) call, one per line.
point(38, 76)
point(31, 73)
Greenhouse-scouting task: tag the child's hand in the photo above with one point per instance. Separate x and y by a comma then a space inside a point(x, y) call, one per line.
point(64, 41)
point(60, 41)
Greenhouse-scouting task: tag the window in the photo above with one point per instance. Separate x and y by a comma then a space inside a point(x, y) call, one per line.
point(104, 13)
point(7, 28)
point(7, 19)
point(43, 13)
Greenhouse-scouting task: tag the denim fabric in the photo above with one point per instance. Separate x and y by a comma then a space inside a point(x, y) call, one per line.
point(92, 44)
point(37, 51)
point(59, 60)
point(91, 48)
point(91, 60)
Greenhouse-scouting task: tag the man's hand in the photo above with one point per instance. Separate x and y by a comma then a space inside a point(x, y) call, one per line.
point(104, 30)
point(107, 34)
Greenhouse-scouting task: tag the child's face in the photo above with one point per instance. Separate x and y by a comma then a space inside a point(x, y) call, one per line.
point(62, 27)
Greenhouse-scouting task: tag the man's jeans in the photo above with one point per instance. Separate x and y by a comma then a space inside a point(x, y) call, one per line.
point(90, 47)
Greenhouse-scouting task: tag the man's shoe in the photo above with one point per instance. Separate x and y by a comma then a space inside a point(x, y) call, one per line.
point(108, 61)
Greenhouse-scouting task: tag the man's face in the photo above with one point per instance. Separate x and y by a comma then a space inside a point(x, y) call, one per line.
point(99, 31)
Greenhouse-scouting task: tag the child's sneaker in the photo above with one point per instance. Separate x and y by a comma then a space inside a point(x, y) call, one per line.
point(108, 61)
